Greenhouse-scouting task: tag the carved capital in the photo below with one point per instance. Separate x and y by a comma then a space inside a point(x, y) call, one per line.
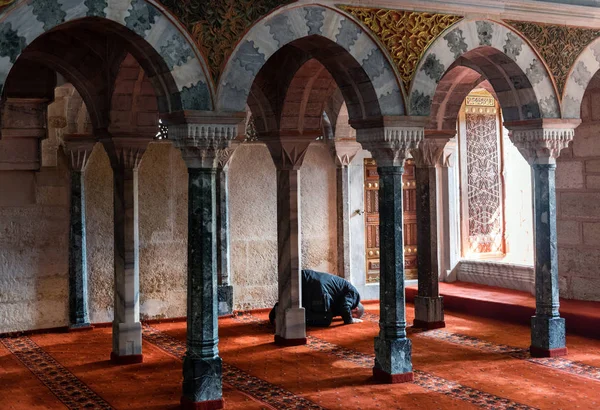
point(204, 137)
point(429, 152)
point(390, 146)
point(24, 117)
point(125, 151)
point(344, 151)
point(288, 153)
point(224, 155)
point(78, 149)
point(542, 141)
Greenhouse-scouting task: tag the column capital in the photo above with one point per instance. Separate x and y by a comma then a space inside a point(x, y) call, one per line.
point(540, 141)
point(201, 136)
point(224, 155)
point(79, 149)
point(125, 151)
point(344, 151)
point(288, 149)
point(392, 140)
point(429, 152)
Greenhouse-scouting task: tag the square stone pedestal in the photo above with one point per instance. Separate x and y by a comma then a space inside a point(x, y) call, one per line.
point(225, 298)
point(393, 361)
point(548, 337)
point(291, 327)
point(429, 312)
point(202, 383)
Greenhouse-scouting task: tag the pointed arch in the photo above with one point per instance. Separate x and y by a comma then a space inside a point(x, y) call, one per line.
point(582, 72)
point(293, 24)
point(508, 56)
point(156, 39)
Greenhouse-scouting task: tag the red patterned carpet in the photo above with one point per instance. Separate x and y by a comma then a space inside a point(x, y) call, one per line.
point(472, 363)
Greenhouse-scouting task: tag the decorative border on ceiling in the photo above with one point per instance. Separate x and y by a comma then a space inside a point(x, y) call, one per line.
point(217, 25)
point(405, 34)
point(558, 45)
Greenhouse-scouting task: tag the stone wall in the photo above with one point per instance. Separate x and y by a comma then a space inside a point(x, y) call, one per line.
point(578, 197)
point(253, 221)
point(34, 234)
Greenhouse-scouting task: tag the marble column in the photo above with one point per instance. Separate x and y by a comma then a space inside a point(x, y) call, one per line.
point(344, 152)
point(78, 150)
point(429, 305)
point(201, 140)
point(390, 146)
point(288, 154)
point(541, 144)
point(125, 155)
point(224, 289)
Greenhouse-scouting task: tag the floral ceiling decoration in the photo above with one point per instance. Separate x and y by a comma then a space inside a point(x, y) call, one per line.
point(405, 34)
point(217, 25)
point(558, 45)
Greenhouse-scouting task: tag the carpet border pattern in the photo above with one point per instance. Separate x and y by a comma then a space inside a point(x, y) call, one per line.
point(70, 390)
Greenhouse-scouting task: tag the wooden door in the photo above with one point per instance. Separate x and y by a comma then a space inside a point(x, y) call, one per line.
point(372, 220)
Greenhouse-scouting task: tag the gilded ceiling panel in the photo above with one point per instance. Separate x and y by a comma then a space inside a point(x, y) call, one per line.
point(558, 45)
point(405, 34)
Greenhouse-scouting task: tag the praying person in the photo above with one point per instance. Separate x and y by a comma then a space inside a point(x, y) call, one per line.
point(325, 296)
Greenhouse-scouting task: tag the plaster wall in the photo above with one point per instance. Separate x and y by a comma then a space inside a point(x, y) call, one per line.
point(578, 213)
point(253, 220)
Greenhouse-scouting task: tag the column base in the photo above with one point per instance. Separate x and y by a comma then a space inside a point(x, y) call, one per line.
point(383, 377)
point(187, 404)
point(80, 327)
point(281, 341)
point(225, 298)
point(547, 335)
point(202, 382)
point(429, 312)
point(539, 352)
point(290, 324)
point(126, 359)
point(419, 324)
point(393, 357)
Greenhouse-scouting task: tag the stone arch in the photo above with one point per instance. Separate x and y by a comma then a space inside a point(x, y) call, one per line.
point(508, 56)
point(582, 72)
point(153, 36)
point(321, 26)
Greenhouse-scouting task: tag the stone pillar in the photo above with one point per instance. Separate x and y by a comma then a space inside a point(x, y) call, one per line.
point(125, 155)
point(201, 136)
point(344, 152)
point(448, 212)
point(224, 290)
point(540, 142)
point(429, 305)
point(390, 146)
point(78, 150)
point(288, 154)
point(23, 122)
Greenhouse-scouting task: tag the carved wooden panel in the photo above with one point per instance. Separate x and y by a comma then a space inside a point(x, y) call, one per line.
point(481, 182)
point(372, 220)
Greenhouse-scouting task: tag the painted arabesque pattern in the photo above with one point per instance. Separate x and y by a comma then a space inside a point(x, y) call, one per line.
point(469, 35)
point(405, 34)
point(27, 20)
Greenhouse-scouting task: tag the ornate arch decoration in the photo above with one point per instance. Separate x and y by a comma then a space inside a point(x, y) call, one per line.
point(533, 92)
point(167, 53)
point(292, 24)
point(585, 67)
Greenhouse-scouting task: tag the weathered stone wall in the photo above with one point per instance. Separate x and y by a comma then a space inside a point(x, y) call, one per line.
point(34, 234)
point(578, 196)
point(163, 232)
point(253, 221)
